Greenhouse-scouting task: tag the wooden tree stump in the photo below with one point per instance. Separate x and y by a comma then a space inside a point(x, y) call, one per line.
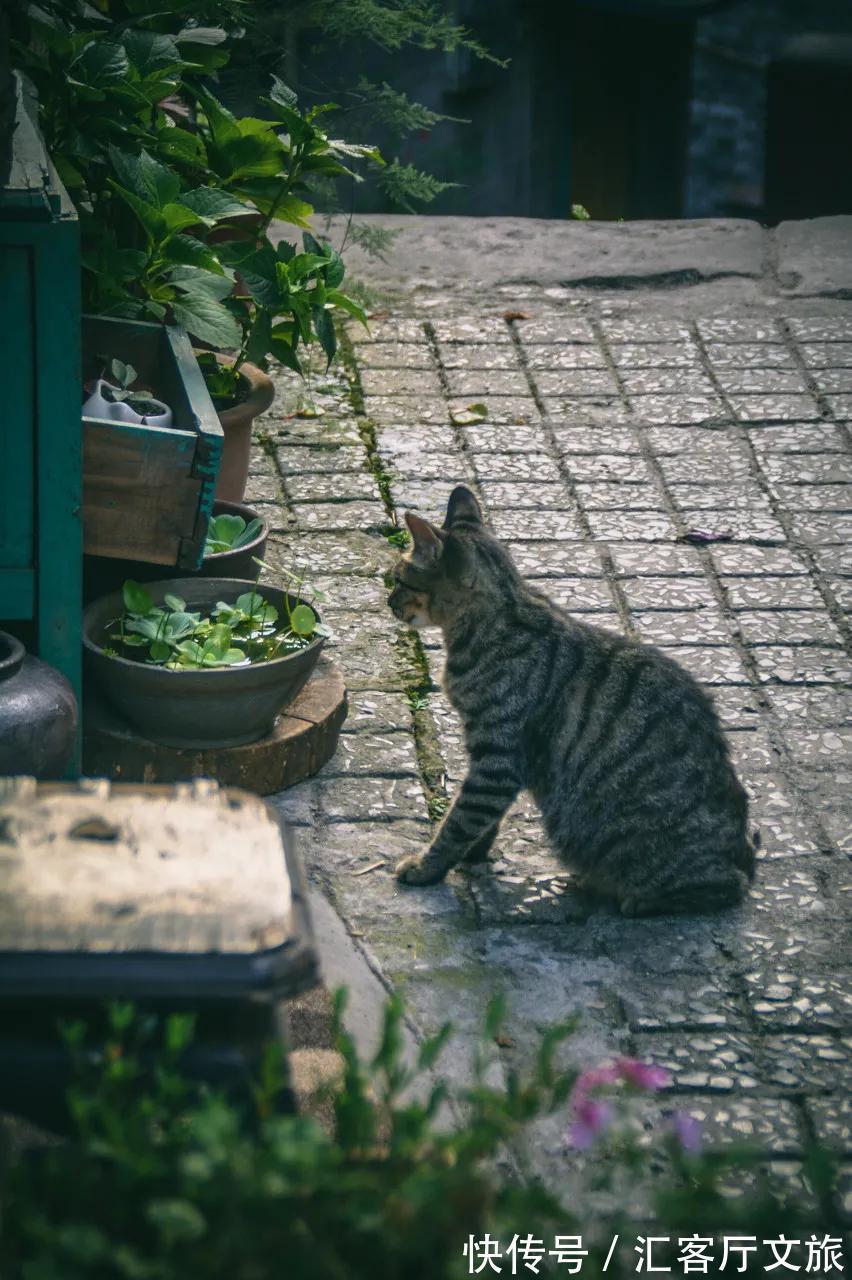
point(303, 739)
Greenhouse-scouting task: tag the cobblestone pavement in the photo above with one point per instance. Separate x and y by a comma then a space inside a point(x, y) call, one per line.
point(607, 441)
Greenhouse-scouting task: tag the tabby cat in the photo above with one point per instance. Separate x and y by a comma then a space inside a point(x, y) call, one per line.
point(619, 746)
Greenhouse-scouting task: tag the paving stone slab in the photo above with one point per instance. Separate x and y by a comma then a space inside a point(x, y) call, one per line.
point(336, 486)
point(736, 526)
point(493, 437)
point(565, 356)
point(596, 440)
point(524, 495)
point(801, 438)
point(667, 560)
point(832, 1122)
point(671, 594)
point(300, 459)
point(555, 328)
point(377, 711)
point(537, 465)
point(638, 383)
point(744, 355)
point(757, 381)
point(773, 408)
point(704, 1061)
point(810, 1064)
point(736, 329)
point(815, 497)
point(669, 629)
point(772, 593)
point(395, 355)
point(354, 800)
point(555, 560)
point(810, 664)
point(686, 1001)
point(485, 384)
point(537, 526)
point(645, 526)
point(623, 496)
point(339, 517)
point(759, 561)
point(478, 356)
point(383, 756)
point(330, 553)
point(656, 355)
point(788, 1000)
point(684, 409)
point(610, 468)
point(787, 627)
point(826, 355)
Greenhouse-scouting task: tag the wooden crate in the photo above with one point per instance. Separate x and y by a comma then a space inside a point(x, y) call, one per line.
point(148, 491)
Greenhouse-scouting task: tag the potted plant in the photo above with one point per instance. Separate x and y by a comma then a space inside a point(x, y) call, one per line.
point(118, 401)
point(176, 196)
point(236, 541)
point(202, 662)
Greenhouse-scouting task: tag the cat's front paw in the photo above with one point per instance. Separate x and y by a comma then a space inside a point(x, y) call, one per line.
point(416, 869)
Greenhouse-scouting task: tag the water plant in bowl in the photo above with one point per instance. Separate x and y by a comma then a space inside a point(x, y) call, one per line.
point(237, 634)
point(236, 541)
point(203, 662)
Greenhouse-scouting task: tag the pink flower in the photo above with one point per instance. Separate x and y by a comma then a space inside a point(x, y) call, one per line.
point(642, 1075)
point(593, 1079)
point(687, 1130)
point(591, 1118)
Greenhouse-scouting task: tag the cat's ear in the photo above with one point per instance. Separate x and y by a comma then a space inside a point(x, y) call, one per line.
point(462, 506)
point(428, 541)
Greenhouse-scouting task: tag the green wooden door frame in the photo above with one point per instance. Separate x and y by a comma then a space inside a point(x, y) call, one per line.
point(41, 564)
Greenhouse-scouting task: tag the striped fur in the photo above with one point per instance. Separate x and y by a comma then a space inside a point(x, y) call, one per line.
point(619, 746)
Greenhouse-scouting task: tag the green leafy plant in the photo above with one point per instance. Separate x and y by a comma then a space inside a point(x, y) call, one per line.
point(227, 532)
point(175, 194)
point(162, 1179)
point(239, 633)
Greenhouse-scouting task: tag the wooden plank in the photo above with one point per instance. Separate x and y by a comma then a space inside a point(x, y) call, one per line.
point(17, 438)
point(182, 870)
point(17, 594)
point(59, 600)
point(139, 493)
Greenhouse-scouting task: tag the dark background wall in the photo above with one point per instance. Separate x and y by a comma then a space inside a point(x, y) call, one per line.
point(733, 49)
point(632, 108)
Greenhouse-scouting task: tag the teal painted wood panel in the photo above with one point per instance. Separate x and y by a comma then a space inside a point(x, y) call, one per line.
point(17, 444)
point(41, 427)
point(59, 501)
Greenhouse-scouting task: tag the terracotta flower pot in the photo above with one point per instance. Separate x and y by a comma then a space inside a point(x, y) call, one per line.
point(237, 422)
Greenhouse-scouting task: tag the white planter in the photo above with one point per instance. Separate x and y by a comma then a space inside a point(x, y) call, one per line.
point(98, 406)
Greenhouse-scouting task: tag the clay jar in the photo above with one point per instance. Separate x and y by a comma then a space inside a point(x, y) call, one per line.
point(38, 714)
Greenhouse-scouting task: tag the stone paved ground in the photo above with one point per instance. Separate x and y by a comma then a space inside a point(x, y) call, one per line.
point(611, 433)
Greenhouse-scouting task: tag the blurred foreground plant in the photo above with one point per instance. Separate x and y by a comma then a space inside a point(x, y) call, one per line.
point(164, 1180)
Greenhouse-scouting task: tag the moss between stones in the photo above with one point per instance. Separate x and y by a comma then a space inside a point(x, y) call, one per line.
point(418, 682)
